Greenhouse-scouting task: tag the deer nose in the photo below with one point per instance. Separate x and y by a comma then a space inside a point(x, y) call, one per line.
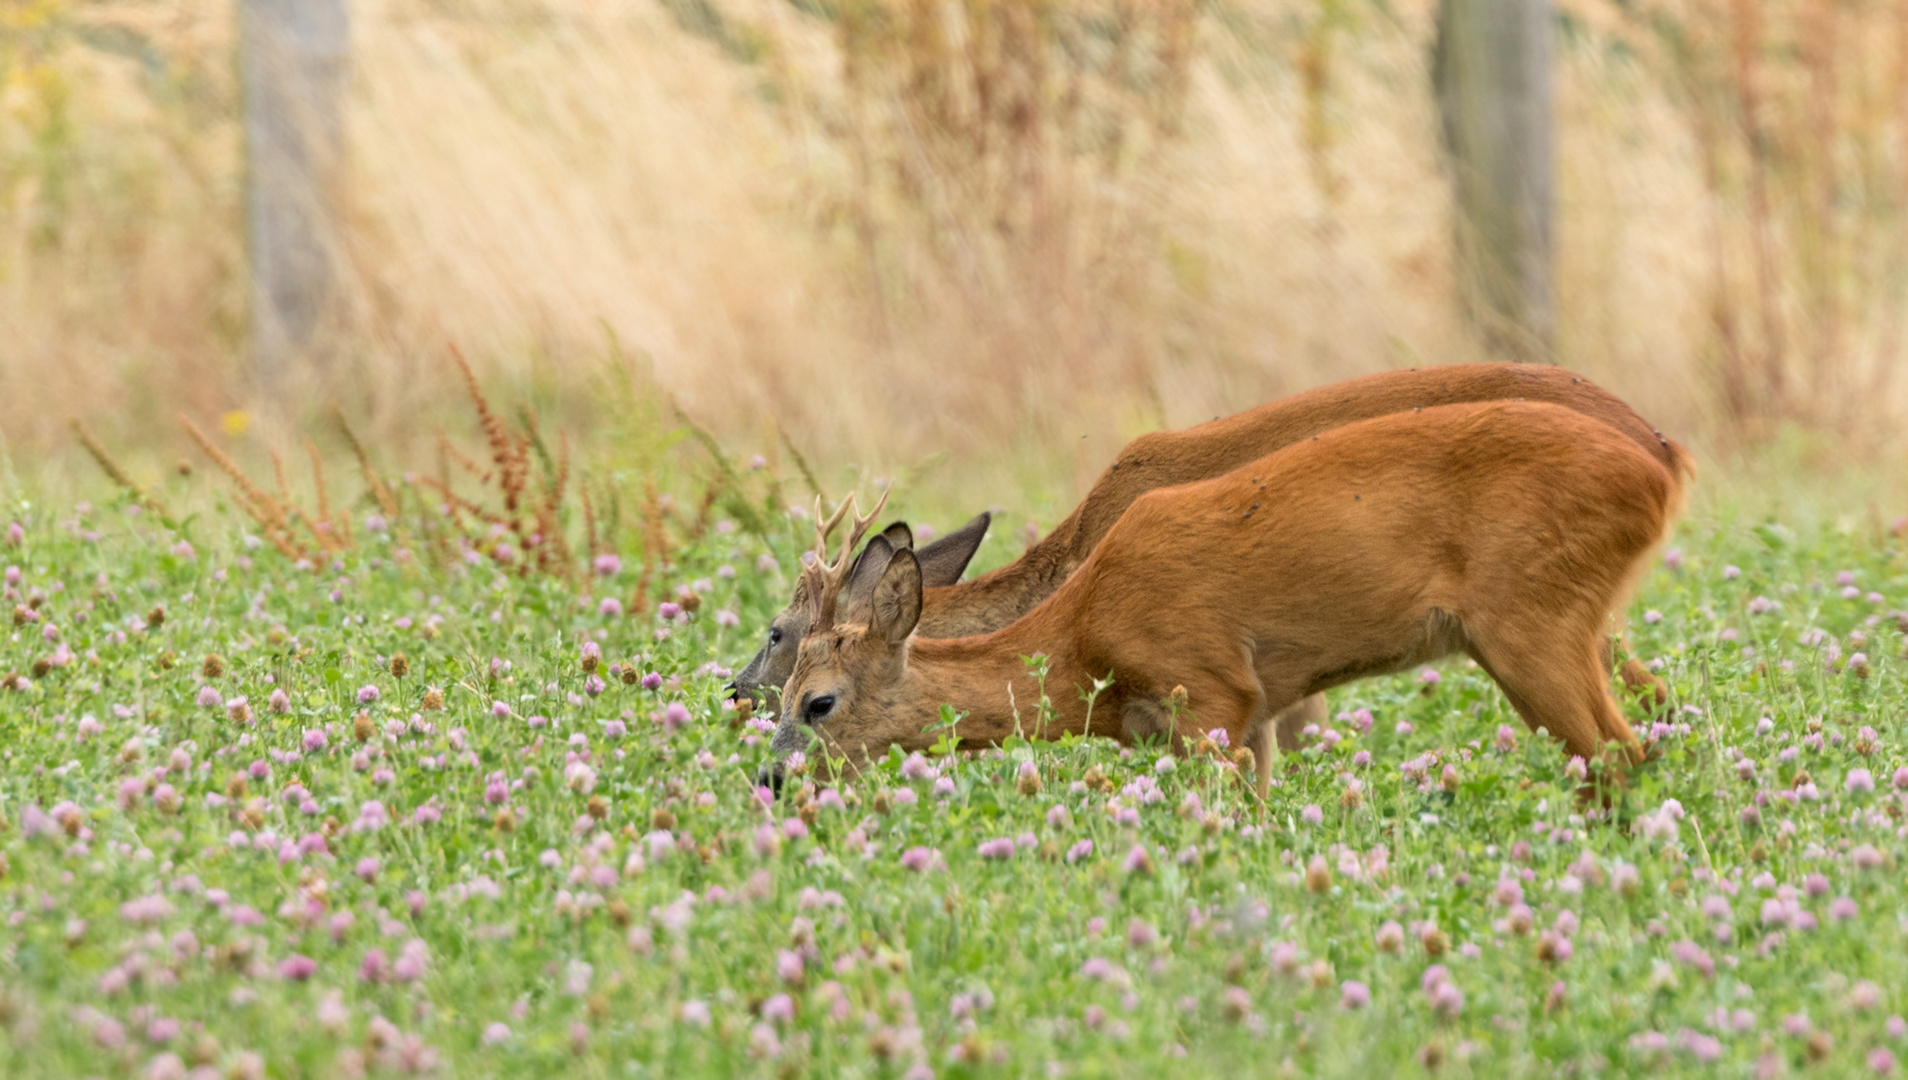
point(770, 777)
point(744, 702)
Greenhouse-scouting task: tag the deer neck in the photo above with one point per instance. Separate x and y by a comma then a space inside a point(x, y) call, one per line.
point(997, 598)
point(986, 678)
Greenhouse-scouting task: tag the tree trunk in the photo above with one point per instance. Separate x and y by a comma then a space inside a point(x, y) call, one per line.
point(1492, 73)
point(294, 55)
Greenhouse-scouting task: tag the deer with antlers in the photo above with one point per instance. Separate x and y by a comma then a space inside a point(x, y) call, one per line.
point(1511, 532)
point(953, 608)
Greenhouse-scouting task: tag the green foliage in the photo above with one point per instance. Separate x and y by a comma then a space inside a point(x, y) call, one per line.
point(251, 887)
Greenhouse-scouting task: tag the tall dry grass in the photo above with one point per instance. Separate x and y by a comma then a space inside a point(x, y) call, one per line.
point(977, 243)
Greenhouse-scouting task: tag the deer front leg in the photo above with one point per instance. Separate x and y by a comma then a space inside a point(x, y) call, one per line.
point(1185, 716)
point(1142, 719)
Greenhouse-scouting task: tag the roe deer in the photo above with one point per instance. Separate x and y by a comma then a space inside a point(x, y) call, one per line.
point(941, 565)
point(1509, 531)
point(1167, 458)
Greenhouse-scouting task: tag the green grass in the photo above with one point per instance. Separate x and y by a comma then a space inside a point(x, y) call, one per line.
point(692, 931)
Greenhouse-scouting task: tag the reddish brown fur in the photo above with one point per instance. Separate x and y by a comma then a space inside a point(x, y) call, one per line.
point(1167, 458)
point(1508, 531)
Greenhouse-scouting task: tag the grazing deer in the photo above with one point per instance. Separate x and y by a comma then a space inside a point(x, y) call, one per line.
point(942, 563)
point(1167, 458)
point(1508, 531)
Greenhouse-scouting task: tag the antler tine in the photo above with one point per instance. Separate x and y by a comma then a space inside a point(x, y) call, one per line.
point(825, 578)
point(861, 525)
point(823, 528)
point(819, 575)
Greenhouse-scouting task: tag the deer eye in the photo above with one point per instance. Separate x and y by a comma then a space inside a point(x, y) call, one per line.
point(775, 635)
point(819, 707)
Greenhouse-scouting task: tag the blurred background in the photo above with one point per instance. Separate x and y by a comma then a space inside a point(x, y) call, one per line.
point(978, 244)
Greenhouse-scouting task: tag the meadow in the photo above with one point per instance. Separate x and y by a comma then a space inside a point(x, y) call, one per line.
point(415, 802)
point(440, 779)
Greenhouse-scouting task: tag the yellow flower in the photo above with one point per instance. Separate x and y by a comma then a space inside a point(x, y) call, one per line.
point(235, 422)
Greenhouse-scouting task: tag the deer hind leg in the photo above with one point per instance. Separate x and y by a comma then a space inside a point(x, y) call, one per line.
point(1564, 690)
point(1291, 721)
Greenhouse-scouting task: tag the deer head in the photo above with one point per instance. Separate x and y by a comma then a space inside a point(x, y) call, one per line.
point(941, 563)
point(848, 686)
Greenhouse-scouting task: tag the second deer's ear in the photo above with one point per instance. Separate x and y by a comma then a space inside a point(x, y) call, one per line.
point(899, 536)
point(945, 560)
point(867, 570)
point(896, 605)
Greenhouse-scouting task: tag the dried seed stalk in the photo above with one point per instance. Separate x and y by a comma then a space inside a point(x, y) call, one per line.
point(114, 471)
point(269, 513)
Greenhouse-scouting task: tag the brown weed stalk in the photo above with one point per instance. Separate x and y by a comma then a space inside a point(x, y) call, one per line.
point(114, 471)
point(380, 491)
point(552, 549)
point(334, 530)
point(270, 514)
point(655, 546)
point(533, 519)
point(509, 453)
point(591, 543)
point(295, 514)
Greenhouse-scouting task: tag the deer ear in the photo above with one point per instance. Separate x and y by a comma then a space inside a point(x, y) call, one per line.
point(943, 561)
point(899, 536)
point(896, 606)
point(856, 591)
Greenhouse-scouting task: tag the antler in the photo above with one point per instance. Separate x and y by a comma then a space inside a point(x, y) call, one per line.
point(824, 579)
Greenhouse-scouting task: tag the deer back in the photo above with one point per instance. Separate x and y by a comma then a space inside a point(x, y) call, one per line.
point(953, 608)
point(1168, 458)
point(1341, 543)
